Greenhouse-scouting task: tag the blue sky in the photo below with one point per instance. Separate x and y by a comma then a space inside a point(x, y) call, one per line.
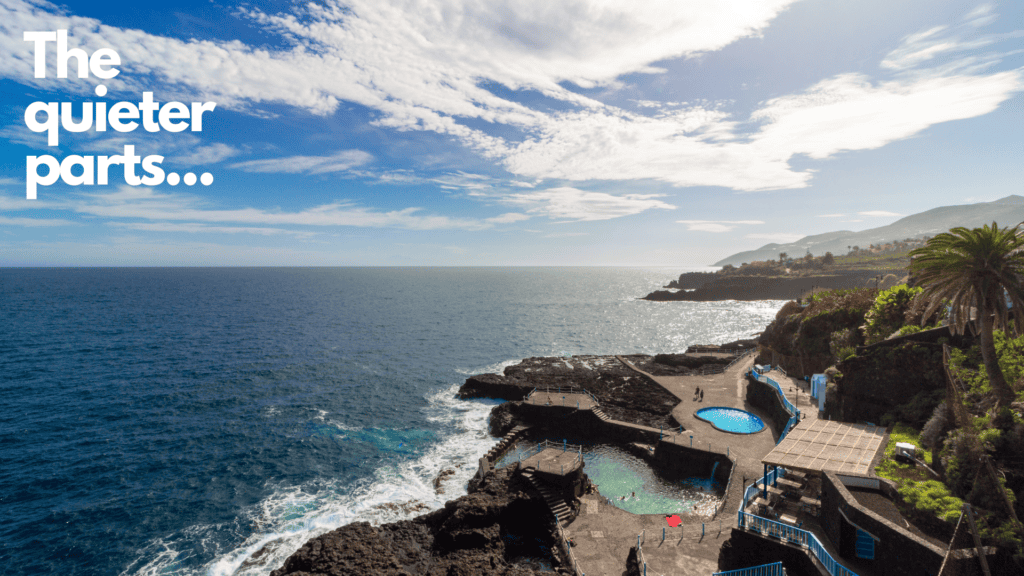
point(451, 132)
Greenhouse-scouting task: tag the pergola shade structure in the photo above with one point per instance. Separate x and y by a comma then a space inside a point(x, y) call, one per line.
point(823, 445)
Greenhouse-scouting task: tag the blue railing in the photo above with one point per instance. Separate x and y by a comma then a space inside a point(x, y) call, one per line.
point(751, 491)
point(795, 414)
point(793, 535)
point(773, 569)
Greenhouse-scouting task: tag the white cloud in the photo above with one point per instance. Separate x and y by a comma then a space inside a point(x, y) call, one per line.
point(879, 214)
point(182, 149)
point(196, 228)
point(776, 237)
point(573, 204)
point(149, 204)
point(337, 162)
point(508, 218)
point(566, 234)
point(424, 66)
point(36, 222)
point(715, 225)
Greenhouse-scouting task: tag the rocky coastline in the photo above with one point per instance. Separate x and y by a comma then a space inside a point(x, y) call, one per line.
point(711, 287)
point(502, 525)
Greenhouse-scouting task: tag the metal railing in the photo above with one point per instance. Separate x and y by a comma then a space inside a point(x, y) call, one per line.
point(743, 355)
point(568, 549)
point(566, 447)
point(725, 495)
point(793, 411)
point(773, 569)
point(794, 535)
point(768, 478)
point(641, 539)
point(561, 390)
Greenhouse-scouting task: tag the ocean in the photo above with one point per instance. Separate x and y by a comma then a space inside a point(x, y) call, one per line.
point(211, 420)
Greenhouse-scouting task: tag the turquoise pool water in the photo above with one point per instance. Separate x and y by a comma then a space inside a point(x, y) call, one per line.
point(619, 475)
point(731, 419)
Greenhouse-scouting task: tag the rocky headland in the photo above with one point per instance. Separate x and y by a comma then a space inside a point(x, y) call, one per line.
point(484, 532)
point(502, 526)
point(710, 287)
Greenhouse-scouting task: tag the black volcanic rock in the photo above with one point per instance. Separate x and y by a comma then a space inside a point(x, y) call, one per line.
point(465, 537)
point(494, 386)
point(691, 280)
point(763, 287)
point(624, 394)
point(689, 360)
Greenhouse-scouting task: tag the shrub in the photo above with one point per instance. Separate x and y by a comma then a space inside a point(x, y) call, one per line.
point(887, 312)
point(967, 364)
point(961, 458)
point(936, 427)
point(933, 497)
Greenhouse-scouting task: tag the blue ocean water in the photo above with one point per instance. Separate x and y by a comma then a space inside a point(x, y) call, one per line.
point(210, 421)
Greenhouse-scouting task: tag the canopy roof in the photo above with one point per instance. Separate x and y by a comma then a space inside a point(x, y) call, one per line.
point(823, 445)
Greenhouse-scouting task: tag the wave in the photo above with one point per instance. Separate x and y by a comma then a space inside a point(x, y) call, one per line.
point(279, 525)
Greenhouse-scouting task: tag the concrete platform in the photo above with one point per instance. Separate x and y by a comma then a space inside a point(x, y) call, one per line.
point(554, 461)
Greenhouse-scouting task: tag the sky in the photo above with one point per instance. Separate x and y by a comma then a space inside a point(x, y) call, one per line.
point(495, 133)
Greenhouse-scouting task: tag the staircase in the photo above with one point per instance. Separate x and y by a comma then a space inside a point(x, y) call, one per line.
point(556, 504)
point(507, 440)
point(597, 412)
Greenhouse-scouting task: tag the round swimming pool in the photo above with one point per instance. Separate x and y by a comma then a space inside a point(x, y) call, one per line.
point(731, 419)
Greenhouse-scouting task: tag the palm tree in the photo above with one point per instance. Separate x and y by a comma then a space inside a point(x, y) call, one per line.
point(979, 269)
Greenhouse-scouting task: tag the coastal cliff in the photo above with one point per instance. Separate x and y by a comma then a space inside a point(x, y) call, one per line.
point(492, 530)
point(732, 287)
point(503, 525)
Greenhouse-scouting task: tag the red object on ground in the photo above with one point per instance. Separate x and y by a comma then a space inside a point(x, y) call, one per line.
point(674, 520)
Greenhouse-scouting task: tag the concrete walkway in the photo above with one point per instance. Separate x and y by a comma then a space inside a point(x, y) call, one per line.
point(604, 533)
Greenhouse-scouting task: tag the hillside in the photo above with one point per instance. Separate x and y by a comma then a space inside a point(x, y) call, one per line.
point(1006, 211)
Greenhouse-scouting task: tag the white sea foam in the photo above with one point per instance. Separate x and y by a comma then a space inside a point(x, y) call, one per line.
point(496, 368)
point(291, 515)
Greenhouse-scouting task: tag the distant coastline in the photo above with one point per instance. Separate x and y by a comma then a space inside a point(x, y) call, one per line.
point(710, 287)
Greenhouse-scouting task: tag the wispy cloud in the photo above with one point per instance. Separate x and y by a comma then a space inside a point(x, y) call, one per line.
point(716, 225)
point(508, 218)
point(567, 203)
point(337, 162)
point(776, 237)
point(36, 222)
point(879, 214)
point(425, 67)
point(196, 228)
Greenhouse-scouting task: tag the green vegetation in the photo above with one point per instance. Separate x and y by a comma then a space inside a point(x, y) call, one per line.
point(977, 268)
point(968, 364)
point(918, 490)
point(902, 433)
point(933, 497)
point(888, 311)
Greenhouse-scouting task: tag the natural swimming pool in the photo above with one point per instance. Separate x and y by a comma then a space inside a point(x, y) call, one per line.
point(731, 419)
point(619, 475)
